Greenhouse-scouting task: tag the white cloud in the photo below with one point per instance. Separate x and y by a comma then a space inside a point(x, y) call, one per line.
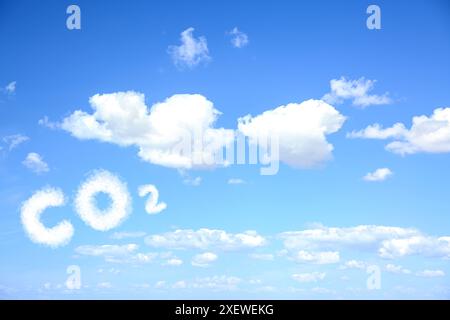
point(431, 273)
point(301, 130)
point(110, 270)
point(204, 259)
point(107, 250)
point(362, 236)
point(236, 181)
point(377, 132)
point(354, 264)
point(427, 134)
point(309, 277)
point(10, 88)
point(152, 206)
point(30, 216)
point(45, 122)
point(174, 262)
point(191, 52)
point(262, 256)
point(206, 238)
point(126, 235)
point(15, 140)
point(238, 38)
point(214, 283)
point(416, 245)
point(180, 132)
point(378, 175)
point(324, 257)
point(388, 242)
point(119, 209)
point(162, 133)
point(122, 254)
point(392, 268)
point(35, 163)
point(355, 90)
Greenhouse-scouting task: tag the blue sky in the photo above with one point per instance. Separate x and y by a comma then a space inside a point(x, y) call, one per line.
point(309, 231)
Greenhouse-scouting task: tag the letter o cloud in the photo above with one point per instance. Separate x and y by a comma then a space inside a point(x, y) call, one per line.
point(85, 204)
point(30, 214)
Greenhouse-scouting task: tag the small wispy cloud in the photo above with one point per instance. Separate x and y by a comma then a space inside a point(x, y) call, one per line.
point(236, 181)
point(175, 262)
point(397, 269)
point(127, 235)
point(355, 90)
point(106, 250)
point(431, 273)
point(238, 38)
point(192, 51)
point(309, 277)
point(13, 141)
point(204, 259)
point(10, 88)
point(195, 182)
point(262, 256)
point(45, 122)
point(206, 239)
point(35, 163)
point(378, 175)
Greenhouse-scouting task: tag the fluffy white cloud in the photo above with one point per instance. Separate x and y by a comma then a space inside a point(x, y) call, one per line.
point(363, 236)
point(309, 277)
point(204, 259)
point(355, 90)
point(431, 273)
point(416, 245)
point(300, 129)
point(191, 52)
point(14, 140)
point(392, 268)
point(30, 216)
point(205, 239)
point(388, 242)
point(180, 132)
point(238, 38)
point(177, 133)
point(86, 207)
point(427, 134)
point(378, 175)
point(322, 257)
point(10, 88)
point(35, 163)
